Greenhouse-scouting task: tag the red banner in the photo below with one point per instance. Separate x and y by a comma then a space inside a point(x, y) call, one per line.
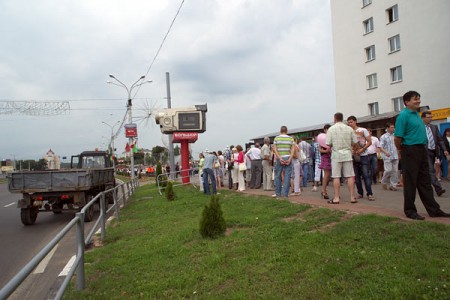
point(184, 136)
point(130, 130)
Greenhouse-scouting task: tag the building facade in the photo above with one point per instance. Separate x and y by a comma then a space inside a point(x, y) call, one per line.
point(384, 48)
point(53, 160)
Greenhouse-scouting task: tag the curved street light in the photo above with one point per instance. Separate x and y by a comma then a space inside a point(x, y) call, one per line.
point(136, 84)
point(112, 142)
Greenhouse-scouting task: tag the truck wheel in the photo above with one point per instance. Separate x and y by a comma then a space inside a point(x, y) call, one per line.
point(109, 197)
point(89, 214)
point(28, 215)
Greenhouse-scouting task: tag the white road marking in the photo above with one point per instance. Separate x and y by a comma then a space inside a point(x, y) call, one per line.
point(43, 264)
point(11, 204)
point(69, 265)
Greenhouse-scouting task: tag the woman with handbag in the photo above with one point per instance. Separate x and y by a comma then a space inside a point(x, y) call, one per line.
point(241, 167)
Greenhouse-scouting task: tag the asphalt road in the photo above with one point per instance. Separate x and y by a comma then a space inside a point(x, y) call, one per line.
point(20, 243)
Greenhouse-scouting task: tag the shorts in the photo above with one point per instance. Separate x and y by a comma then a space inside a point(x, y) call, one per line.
point(344, 168)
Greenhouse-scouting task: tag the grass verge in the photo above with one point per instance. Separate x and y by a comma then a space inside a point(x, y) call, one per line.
point(272, 250)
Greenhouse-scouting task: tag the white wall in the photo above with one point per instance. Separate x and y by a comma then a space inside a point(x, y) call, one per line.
point(425, 44)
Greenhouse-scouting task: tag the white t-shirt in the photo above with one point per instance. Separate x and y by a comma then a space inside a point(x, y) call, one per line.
point(361, 135)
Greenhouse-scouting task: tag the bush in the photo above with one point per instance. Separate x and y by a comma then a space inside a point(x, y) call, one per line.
point(170, 194)
point(212, 223)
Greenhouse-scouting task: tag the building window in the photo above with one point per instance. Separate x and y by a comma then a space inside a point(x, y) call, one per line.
point(373, 108)
point(398, 103)
point(368, 26)
point(392, 14)
point(394, 43)
point(370, 53)
point(366, 2)
point(396, 74)
point(372, 81)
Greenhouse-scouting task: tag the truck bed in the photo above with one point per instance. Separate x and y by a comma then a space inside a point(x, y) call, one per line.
point(59, 180)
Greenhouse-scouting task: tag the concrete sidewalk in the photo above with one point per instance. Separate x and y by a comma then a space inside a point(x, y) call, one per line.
point(387, 203)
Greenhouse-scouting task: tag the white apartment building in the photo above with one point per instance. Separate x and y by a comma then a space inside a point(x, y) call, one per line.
point(384, 48)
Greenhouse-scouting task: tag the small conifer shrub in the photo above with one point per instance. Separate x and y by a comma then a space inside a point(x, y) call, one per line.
point(212, 223)
point(170, 193)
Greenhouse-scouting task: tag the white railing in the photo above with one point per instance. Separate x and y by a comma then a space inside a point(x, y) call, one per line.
point(82, 242)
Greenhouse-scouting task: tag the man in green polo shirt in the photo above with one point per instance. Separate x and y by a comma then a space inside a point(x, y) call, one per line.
point(410, 138)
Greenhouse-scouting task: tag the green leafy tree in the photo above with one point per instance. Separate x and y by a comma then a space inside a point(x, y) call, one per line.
point(161, 154)
point(139, 157)
point(212, 223)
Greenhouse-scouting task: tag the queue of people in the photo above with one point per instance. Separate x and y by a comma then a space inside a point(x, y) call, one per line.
point(411, 154)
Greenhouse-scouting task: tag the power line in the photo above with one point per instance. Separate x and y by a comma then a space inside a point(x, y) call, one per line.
point(162, 43)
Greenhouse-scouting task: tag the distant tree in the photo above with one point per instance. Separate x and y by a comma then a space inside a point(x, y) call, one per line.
point(160, 154)
point(176, 150)
point(41, 165)
point(139, 157)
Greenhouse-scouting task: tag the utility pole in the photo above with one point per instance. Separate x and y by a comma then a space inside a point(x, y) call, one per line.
point(169, 105)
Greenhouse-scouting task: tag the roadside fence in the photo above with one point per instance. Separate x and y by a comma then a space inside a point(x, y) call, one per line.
point(163, 178)
point(126, 189)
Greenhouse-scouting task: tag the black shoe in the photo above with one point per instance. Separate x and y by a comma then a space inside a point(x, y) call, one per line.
point(415, 216)
point(440, 213)
point(440, 192)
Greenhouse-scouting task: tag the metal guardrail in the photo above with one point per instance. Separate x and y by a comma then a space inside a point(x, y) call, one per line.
point(163, 178)
point(77, 221)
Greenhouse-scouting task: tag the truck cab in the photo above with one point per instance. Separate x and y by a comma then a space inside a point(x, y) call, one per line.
point(91, 160)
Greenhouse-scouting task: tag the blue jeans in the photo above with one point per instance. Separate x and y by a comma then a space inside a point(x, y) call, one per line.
point(305, 171)
point(373, 167)
point(287, 179)
point(209, 173)
point(444, 166)
point(362, 170)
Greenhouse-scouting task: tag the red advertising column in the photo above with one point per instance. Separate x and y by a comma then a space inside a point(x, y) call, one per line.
point(185, 161)
point(184, 138)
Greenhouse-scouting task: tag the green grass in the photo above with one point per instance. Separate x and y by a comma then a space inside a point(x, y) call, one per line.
point(272, 250)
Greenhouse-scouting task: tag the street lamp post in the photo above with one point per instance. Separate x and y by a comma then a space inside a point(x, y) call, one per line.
point(112, 142)
point(136, 84)
point(14, 161)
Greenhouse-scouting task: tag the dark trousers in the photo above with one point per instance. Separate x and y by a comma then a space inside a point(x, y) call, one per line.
point(256, 171)
point(361, 169)
point(432, 170)
point(416, 175)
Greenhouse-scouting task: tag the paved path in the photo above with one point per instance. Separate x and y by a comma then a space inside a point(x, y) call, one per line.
point(387, 203)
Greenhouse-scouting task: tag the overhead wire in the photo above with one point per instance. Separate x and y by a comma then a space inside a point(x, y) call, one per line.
point(151, 64)
point(162, 43)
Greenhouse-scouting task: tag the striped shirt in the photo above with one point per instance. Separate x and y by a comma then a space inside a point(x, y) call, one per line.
point(283, 144)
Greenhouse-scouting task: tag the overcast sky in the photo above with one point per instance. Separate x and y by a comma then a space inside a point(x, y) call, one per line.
point(258, 64)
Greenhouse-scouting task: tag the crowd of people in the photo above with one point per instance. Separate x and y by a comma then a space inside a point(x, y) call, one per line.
point(411, 154)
